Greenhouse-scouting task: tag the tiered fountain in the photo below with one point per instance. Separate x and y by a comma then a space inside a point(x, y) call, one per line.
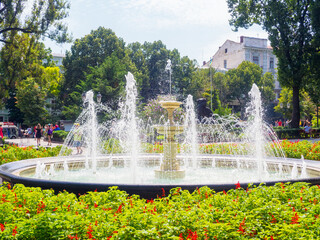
point(170, 166)
point(149, 174)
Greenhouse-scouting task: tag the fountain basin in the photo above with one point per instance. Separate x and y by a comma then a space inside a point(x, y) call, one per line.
point(233, 167)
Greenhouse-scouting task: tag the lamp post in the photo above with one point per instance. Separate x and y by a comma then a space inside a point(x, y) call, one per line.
point(169, 69)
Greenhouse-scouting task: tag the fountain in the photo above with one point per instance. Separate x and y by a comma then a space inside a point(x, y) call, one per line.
point(170, 167)
point(245, 156)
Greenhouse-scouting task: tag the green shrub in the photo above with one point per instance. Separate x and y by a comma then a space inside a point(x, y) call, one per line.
point(294, 133)
point(11, 153)
point(59, 135)
point(283, 211)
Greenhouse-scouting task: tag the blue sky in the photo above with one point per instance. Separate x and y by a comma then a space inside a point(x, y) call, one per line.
point(195, 27)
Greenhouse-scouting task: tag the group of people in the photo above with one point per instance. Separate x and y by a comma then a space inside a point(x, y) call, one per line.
point(279, 123)
point(38, 131)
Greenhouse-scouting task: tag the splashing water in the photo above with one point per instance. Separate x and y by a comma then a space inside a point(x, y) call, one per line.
point(191, 133)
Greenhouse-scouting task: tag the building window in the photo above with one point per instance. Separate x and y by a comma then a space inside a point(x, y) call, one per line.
point(255, 59)
point(225, 63)
point(271, 63)
point(225, 50)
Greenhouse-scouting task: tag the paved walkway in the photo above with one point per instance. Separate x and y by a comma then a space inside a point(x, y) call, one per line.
point(26, 142)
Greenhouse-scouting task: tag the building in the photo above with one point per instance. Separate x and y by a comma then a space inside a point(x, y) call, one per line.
point(58, 58)
point(255, 50)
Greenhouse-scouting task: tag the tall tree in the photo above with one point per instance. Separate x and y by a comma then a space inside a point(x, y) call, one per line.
point(87, 53)
point(135, 52)
point(21, 63)
point(43, 18)
point(289, 25)
point(240, 81)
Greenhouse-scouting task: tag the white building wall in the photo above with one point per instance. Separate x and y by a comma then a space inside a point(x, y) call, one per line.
point(248, 49)
point(231, 52)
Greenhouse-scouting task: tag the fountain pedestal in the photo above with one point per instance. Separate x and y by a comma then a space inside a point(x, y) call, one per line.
point(170, 167)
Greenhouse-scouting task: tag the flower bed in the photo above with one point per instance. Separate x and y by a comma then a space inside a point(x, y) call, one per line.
point(283, 211)
point(11, 153)
point(296, 149)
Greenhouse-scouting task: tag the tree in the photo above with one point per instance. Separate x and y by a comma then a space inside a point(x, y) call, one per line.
point(31, 102)
point(19, 67)
point(157, 55)
point(200, 81)
point(241, 80)
point(135, 52)
point(43, 19)
point(289, 25)
point(18, 63)
point(284, 105)
point(86, 54)
point(151, 60)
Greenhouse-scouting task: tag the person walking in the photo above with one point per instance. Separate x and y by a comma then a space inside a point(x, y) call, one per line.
point(49, 133)
point(38, 133)
point(1, 133)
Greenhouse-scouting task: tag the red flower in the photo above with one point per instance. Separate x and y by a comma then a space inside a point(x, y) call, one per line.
point(238, 185)
point(89, 232)
point(73, 237)
point(2, 228)
point(14, 231)
point(163, 192)
point(273, 219)
point(119, 209)
point(295, 219)
point(241, 226)
point(192, 235)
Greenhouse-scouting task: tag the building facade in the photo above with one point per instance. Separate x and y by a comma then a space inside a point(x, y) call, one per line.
point(256, 50)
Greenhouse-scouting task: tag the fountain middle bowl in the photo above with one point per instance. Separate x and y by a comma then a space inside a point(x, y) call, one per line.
point(112, 171)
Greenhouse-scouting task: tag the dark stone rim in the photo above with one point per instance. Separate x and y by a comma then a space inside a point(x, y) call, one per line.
point(144, 191)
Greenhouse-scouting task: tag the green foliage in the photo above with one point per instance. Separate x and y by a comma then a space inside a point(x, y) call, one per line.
point(23, 68)
point(31, 102)
point(87, 54)
point(241, 80)
point(306, 105)
point(42, 19)
point(60, 135)
point(112, 146)
point(154, 112)
point(216, 103)
point(11, 153)
point(283, 211)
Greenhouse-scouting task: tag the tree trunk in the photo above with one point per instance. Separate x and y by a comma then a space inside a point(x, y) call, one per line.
point(295, 107)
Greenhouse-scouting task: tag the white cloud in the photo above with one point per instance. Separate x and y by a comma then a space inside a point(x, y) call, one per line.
point(173, 13)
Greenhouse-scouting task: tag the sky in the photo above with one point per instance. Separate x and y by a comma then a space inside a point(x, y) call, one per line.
point(195, 27)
